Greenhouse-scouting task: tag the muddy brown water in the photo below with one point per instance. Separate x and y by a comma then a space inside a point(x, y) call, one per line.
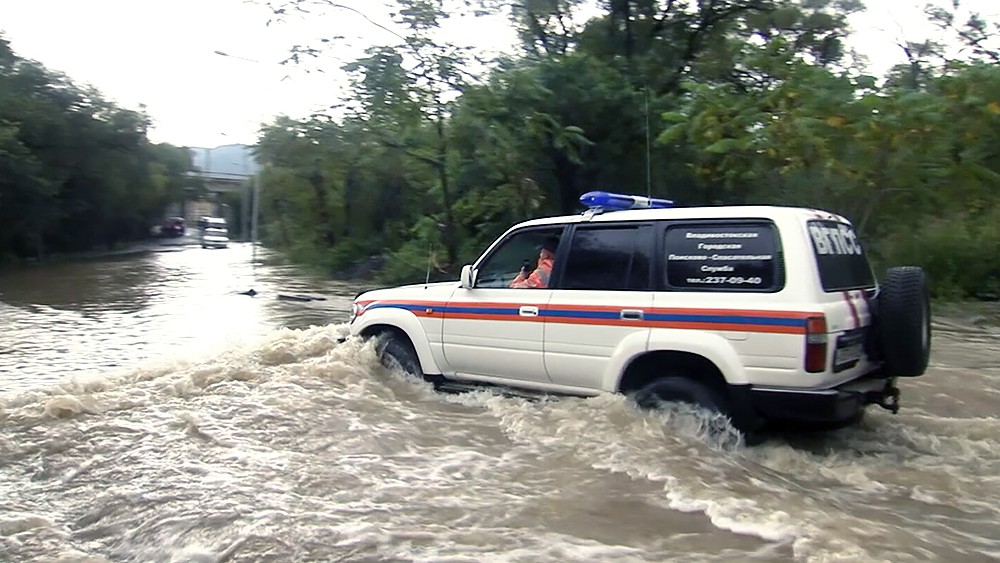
point(149, 412)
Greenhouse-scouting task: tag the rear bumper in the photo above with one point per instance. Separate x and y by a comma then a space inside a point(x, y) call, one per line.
point(838, 405)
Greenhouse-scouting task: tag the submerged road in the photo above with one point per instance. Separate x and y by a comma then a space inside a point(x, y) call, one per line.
point(150, 412)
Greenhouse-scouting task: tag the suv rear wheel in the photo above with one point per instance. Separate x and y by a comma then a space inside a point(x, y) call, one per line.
point(676, 388)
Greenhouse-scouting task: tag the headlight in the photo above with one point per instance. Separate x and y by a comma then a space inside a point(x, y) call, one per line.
point(355, 309)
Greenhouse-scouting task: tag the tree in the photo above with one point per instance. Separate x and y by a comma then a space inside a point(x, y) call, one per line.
point(750, 101)
point(979, 38)
point(76, 170)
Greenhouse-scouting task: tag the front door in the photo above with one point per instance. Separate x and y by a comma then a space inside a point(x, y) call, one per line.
point(494, 329)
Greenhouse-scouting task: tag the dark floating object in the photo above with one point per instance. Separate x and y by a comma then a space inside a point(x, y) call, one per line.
point(287, 297)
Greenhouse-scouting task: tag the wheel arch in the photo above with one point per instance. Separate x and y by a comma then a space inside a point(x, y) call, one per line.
point(409, 328)
point(379, 328)
point(717, 355)
point(653, 365)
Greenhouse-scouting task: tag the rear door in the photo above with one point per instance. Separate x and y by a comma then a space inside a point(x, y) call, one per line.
point(727, 278)
point(848, 285)
point(602, 298)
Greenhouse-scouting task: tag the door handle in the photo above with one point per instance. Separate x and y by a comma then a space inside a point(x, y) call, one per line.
point(528, 311)
point(631, 315)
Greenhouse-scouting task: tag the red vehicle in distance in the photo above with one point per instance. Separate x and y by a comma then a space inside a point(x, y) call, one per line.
point(173, 227)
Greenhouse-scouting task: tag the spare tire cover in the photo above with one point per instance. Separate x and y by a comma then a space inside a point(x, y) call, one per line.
point(904, 319)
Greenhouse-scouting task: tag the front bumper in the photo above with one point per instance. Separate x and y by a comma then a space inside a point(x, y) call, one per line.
point(838, 405)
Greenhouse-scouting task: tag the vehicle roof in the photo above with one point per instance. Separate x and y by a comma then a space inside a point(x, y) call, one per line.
point(693, 213)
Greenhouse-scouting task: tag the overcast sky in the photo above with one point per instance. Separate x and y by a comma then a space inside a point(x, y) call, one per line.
point(161, 53)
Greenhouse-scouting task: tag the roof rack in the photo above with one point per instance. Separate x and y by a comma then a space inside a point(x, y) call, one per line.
point(601, 201)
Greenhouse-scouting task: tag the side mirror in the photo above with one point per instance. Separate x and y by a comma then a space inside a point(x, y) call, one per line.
point(468, 277)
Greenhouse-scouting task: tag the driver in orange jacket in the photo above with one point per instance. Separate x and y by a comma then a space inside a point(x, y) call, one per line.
point(539, 278)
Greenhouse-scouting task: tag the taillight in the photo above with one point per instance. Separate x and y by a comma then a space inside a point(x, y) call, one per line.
point(816, 341)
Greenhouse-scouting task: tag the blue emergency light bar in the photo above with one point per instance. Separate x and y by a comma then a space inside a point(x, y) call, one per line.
point(608, 200)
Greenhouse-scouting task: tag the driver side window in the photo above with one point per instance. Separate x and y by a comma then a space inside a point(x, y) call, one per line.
point(519, 250)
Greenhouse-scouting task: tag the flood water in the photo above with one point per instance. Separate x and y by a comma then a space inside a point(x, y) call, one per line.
point(149, 412)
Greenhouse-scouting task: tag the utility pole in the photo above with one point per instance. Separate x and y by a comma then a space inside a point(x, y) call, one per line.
point(245, 211)
point(254, 219)
point(649, 170)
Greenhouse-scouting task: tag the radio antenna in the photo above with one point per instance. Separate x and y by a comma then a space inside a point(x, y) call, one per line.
point(430, 257)
point(649, 179)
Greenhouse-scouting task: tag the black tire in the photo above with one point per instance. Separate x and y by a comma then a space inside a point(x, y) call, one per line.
point(680, 389)
point(396, 351)
point(904, 321)
point(683, 389)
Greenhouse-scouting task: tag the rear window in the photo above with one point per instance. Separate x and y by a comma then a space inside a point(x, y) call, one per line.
point(840, 257)
point(724, 257)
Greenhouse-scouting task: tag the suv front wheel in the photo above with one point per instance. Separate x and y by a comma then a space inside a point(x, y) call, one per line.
point(395, 351)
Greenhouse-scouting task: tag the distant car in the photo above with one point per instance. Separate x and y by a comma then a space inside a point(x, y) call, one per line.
point(173, 227)
point(214, 232)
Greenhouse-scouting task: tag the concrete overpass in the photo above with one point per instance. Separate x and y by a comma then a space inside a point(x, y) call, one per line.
point(227, 169)
point(225, 164)
point(221, 183)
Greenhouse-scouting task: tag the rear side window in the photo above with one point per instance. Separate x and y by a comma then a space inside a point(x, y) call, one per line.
point(840, 257)
point(609, 258)
point(723, 257)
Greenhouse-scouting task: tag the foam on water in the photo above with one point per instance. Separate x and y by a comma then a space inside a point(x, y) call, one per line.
point(297, 447)
point(679, 447)
point(782, 491)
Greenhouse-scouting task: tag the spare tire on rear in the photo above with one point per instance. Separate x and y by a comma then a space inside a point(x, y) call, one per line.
point(904, 321)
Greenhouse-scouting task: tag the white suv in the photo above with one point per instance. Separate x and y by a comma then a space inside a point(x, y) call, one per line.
point(766, 314)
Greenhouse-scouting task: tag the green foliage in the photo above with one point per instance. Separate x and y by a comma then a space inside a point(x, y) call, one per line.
point(916, 170)
point(961, 254)
point(743, 101)
point(76, 171)
point(421, 255)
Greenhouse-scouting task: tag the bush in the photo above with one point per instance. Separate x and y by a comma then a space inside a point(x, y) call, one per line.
point(961, 255)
